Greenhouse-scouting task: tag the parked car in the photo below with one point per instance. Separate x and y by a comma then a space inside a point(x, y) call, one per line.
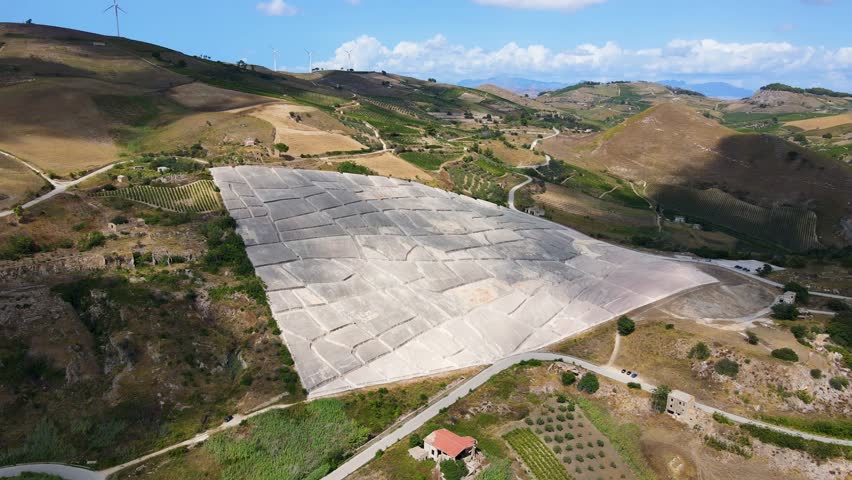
point(229, 418)
point(634, 375)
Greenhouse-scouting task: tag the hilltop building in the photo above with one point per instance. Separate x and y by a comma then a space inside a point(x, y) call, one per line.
point(788, 298)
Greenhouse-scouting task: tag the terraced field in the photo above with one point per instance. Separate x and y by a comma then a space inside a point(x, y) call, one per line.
point(789, 227)
point(478, 179)
point(197, 197)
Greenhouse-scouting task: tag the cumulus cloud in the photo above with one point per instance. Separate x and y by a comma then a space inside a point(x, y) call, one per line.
point(437, 56)
point(277, 8)
point(567, 5)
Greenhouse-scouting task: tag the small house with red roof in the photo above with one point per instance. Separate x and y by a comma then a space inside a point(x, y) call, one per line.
point(443, 445)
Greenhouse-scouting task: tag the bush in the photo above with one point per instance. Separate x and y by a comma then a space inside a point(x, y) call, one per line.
point(727, 367)
point(816, 373)
point(838, 305)
point(786, 354)
point(18, 246)
point(783, 311)
point(568, 378)
point(282, 147)
point(92, 240)
point(453, 469)
point(700, 351)
point(802, 294)
point(839, 383)
point(589, 383)
point(352, 167)
point(634, 385)
point(415, 441)
point(659, 398)
point(839, 328)
point(626, 326)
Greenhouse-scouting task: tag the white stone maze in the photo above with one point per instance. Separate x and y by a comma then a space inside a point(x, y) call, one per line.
point(374, 279)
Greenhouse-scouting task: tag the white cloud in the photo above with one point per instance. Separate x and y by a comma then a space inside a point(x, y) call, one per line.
point(568, 5)
point(439, 57)
point(277, 8)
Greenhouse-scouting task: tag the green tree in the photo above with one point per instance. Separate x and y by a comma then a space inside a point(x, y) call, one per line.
point(839, 328)
point(282, 147)
point(659, 398)
point(589, 383)
point(626, 326)
point(787, 354)
point(839, 383)
point(816, 373)
point(784, 311)
point(802, 294)
point(415, 440)
point(568, 378)
point(700, 351)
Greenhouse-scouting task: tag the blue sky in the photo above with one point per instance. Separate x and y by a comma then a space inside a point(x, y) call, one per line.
point(748, 43)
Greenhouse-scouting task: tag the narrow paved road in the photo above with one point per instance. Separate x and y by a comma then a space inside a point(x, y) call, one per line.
point(535, 142)
point(420, 419)
point(515, 189)
point(60, 187)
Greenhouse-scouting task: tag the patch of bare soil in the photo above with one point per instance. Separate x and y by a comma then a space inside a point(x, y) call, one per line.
point(200, 96)
point(306, 130)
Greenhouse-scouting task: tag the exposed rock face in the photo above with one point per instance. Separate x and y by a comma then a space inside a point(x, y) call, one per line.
point(374, 279)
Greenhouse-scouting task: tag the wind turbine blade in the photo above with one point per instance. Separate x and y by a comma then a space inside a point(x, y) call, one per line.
point(108, 8)
point(123, 10)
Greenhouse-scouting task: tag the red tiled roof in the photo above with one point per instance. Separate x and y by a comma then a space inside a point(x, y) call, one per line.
point(450, 443)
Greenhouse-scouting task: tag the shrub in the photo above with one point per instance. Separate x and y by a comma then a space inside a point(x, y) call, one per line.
point(784, 311)
point(727, 367)
point(352, 167)
point(568, 378)
point(786, 354)
point(670, 326)
point(548, 428)
point(839, 328)
point(415, 440)
point(282, 147)
point(18, 246)
point(589, 383)
point(752, 337)
point(528, 421)
point(454, 469)
point(626, 326)
point(700, 351)
point(816, 373)
point(634, 385)
point(600, 443)
point(839, 383)
point(838, 305)
point(557, 449)
point(92, 240)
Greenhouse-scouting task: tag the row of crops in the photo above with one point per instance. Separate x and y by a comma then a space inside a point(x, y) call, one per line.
point(536, 455)
point(470, 179)
point(197, 197)
point(792, 228)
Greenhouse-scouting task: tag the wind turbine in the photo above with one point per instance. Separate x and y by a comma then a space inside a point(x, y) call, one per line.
point(115, 7)
point(310, 60)
point(349, 56)
point(274, 59)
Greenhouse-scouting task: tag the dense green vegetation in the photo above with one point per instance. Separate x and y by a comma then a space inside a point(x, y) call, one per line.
point(612, 189)
point(699, 351)
point(626, 326)
point(17, 246)
point(536, 455)
point(817, 449)
point(428, 160)
point(785, 311)
point(352, 167)
point(727, 367)
point(780, 87)
point(589, 383)
point(453, 469)
point(829, 427)
point(660, 398)
point(786, 354)
point(301, 442)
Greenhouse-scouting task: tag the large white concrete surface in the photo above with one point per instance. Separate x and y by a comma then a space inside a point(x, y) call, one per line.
point(374, 280)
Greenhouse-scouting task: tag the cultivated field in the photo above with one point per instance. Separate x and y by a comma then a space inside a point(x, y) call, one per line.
point(200, 196)
point(536, 455)
point(516, 156)
point(16, 181)
point(822, 122)
point(571, 201)
point(792, 228)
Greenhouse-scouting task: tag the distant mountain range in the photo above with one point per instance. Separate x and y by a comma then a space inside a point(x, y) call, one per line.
point(532, 88)
point(518, 85)
point(712, 89)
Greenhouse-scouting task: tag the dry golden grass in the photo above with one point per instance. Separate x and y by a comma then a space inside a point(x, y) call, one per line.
point(56, 125)
point(822, 122)
point(211, 129)
point(519, 156)
point(388, 164)
point(16, 181)
point(316, 134)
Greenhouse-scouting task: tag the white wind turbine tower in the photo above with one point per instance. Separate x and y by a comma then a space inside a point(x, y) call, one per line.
point(310, 60)
point(274, 59)
point(349, 56)
point(116, 8)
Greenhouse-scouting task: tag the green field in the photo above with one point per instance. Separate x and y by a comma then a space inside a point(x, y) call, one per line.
point(427, 160)
point(478, 179)
point(197, 197)
point(792, 228)
point(536, 455)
